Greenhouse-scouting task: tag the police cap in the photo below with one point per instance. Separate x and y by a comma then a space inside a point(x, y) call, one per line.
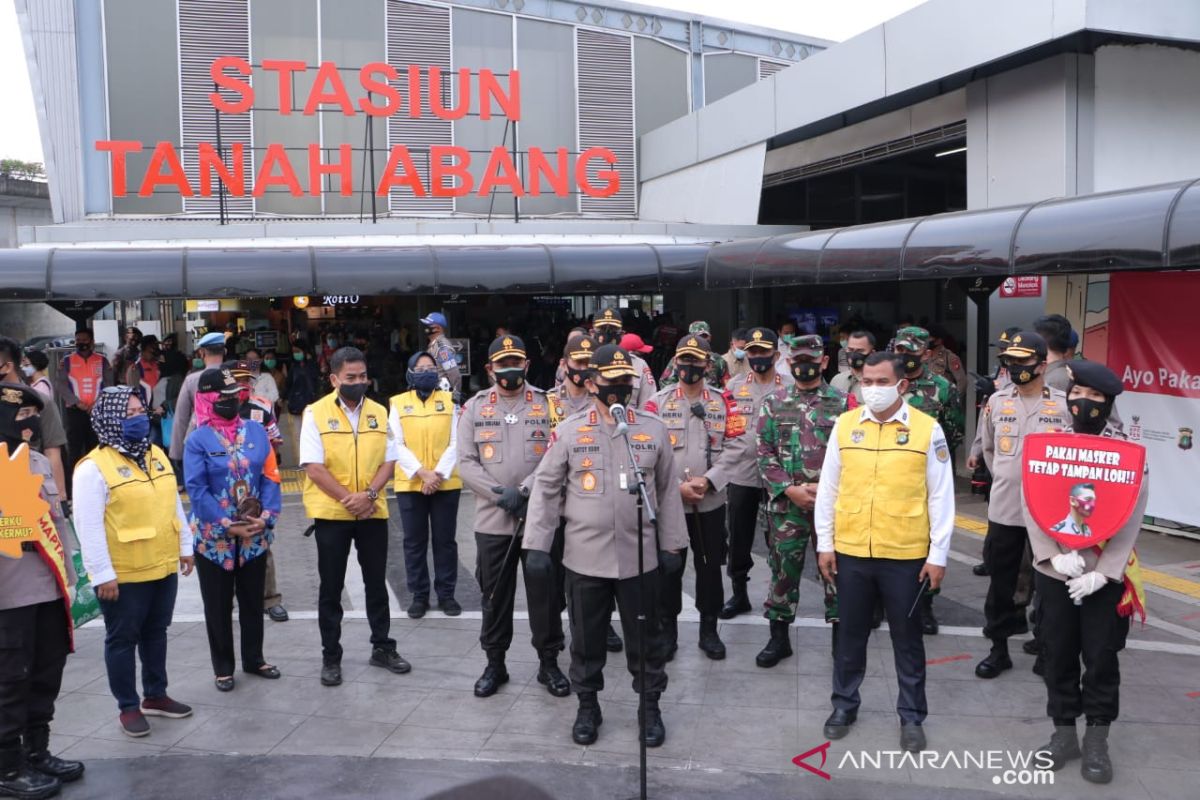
point(761, 339)
point(613, 362)
point(608, 317)
point(1025, 344)
point(217, 380)
point(693, 345)
point(20, 395)
point(581, 348)
point(1095, 375)
point(507, 346)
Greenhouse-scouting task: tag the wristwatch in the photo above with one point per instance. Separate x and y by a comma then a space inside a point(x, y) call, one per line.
point(372, 495)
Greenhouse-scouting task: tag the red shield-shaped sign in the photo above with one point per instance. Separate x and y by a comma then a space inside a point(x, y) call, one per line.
point(1081, 489)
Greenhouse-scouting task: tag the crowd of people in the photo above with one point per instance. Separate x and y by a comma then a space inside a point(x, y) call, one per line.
point(858, 469)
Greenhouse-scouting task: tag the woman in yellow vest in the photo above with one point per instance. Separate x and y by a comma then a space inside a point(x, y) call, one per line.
point(424, 420)
point(135, 538)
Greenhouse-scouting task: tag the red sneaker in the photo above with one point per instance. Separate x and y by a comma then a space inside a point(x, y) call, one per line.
point(134, 724)
point(165, 707)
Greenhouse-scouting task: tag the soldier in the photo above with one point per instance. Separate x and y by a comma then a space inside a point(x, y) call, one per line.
point(443, 353)
point(1026, 406)
point(503, 434)
point(707, 433)
point(745, 485)
point(859, 345)
point(793, 432)
point(938, 398)
point(607, 329)
point(944, 363)
point(717, 373)
point(600, 556)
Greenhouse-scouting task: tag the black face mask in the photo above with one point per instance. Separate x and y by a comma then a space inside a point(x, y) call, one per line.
point(84, 349)
point(1021, 374)
point(912, 364)
point(761, 364)
point(618, 393)
point(806, 372)
point(856, 360)
point(576, 376)
point(510, 379)
point(608, 335)
point(227, 407)
point(1089, 416)
point(691, 373)
point(353, 393)
point(31, 424)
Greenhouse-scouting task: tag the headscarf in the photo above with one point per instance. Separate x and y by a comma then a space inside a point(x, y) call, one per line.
point(205, 415)
point(112, 406)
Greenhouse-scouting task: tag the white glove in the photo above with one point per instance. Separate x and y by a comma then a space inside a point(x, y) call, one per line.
point(1069, 564)
point(1085, 584)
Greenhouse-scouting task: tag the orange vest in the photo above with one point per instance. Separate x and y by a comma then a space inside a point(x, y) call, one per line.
point(86, 376)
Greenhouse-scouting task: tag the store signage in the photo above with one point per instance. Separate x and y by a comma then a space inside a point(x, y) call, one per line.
point(591, 172)
point(206, 306)
point(1022, 286)
point(340, 300)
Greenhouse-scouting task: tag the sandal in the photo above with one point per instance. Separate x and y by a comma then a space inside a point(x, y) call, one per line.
point(224, 684)
point(268, 671)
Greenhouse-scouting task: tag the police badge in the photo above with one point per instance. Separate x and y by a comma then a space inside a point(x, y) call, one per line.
point(125, 472)
point(902, 436)
point(372, 423)
point(857, 435)
point(333, 424)
point(1185, 438)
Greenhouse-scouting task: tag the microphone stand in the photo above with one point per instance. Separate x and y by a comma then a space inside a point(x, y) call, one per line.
point(645, 509)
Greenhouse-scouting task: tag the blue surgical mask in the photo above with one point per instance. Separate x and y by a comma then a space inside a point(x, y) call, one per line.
point(136, 429)
point(422, 381)
point(739, 353)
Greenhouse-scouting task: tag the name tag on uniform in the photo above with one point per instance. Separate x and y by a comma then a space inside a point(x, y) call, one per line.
point(624, 481)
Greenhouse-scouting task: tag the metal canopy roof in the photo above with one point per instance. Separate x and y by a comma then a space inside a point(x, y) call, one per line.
point(1148, 228)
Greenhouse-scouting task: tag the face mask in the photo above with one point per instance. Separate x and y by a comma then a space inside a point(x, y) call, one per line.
point(28, 370)
point(806, 372)
point(761, 364)
point(1021, 374)
point(332, 342)
point(83, 349)
point(353, 393)
point(428, 332)
point(608, 335)
point(856, 360)
point(842, 342)
point(576, 376)
point(618, 393)
point(297, 356)
point(1086, 507)
point(30, 428)
point(739, 354)
point(270, 363)
point(912, 364)
point(256, 365)
point(136, 429)
point(510, 379)
point(1089, 416)
point(880, 398)
point(422, 381)
point(197, 363)
point(691, 373)
point(227, 407)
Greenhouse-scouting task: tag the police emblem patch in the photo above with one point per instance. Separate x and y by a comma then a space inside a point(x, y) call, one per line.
point(943, 453)
point(586, 463)
point(158, 465)
point(902, 436)
point(642, 437)
point(487, 452)
point(256, 415)
point(588, 482)
point(333, 424)
point(1006, 445)
point(125, 472)
point(511, 419)
point(439, 406)
point(857, 435)
point(584, 440)
point(372, 423)
point(674, 440)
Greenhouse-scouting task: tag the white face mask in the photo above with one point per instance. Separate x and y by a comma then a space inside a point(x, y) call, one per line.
point(28, 370)
point(880, 398)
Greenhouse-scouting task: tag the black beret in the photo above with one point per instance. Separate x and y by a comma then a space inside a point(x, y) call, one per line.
point(20, 395)
point(1095, 375)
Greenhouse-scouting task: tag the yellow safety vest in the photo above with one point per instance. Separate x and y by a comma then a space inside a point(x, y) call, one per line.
point(141, 519)
point(426, 427)
point(351, 457)
point(882, 506)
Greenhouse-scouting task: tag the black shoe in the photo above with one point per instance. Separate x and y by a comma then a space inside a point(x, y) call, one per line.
point(981, 569)
point(1096, 766)
point(24, 782)
point(912, 737)
point(613, 643)
point(331, 675)
point(838, 724)
point(550, 676)
point(37, 755)
point(929, 623)
point(1062, 747)
point(587, 720)
point(653, 732)
point(779, 647)
point(738, 602)
point(418, 608)
point(670, 627)
point(993, 665)
point(390, 660)
point(494, 676)
point(1030, 647)
point(277, 613)
point(449, 607)
point(1039, 666)
point(710, 641)
point(225, 684)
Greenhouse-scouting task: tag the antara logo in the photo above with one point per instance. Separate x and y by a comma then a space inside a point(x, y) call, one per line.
point(823, 749)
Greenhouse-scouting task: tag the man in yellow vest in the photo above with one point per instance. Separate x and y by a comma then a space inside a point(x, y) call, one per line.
point(347, 452)
point(884, 515)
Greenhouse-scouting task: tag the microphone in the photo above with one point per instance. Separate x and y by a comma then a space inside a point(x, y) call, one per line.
point(618, 413)
point(698, 409)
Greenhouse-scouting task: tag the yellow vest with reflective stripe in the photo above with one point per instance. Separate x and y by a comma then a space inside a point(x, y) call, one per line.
point(426, 427)
point(352, 459)
point(882, 506)
point(141, 520)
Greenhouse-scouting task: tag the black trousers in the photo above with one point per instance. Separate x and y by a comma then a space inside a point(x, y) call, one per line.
point(545, 603)
point(859, 582)
point(707, 534)
point(1003, 549)
point(33, 651)
point(218, 588)
point(743, 520)
point(81, 439)
point(422, 515)
point(1093, 631)
point(370, 540)
point(590, 602)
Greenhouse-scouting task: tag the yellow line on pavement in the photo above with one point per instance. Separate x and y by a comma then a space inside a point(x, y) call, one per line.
point(970, 524)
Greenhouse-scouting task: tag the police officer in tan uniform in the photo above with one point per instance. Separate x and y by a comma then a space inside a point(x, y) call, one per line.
point(708, 435)
point(608, 329)
point(571, 393)
point(600, 557)
point(1026, 406)
point(503, 434)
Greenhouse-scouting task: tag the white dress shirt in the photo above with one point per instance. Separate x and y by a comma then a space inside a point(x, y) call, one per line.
point(312, 450)
point(939, 483)
point(407, 460)
point(91, 498)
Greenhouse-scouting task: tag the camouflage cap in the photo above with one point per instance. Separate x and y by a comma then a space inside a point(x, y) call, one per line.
point(912, 339)
point(700, 328)
point(808, 345)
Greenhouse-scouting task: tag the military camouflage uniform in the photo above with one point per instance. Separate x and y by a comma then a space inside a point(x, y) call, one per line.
point(938, 398)
point(793, 431)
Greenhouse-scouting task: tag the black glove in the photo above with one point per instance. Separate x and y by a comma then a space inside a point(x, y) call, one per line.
point(670, 563)
point(65, 507)
point(511, 499)
point(538, 563)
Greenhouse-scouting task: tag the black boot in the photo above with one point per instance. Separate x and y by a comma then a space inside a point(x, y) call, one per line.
point(653, 732)
point(612, 642)
point(929, 623)
point(18, 779)
point(779, 647)
point(1096, 767)
point(1062, 747)
point(494, 676)
point(37, 754)
point(550, 676)
point(996, 661)
point(587, 720)
point(738, 602)
point(710, 641)
point(670, 631)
